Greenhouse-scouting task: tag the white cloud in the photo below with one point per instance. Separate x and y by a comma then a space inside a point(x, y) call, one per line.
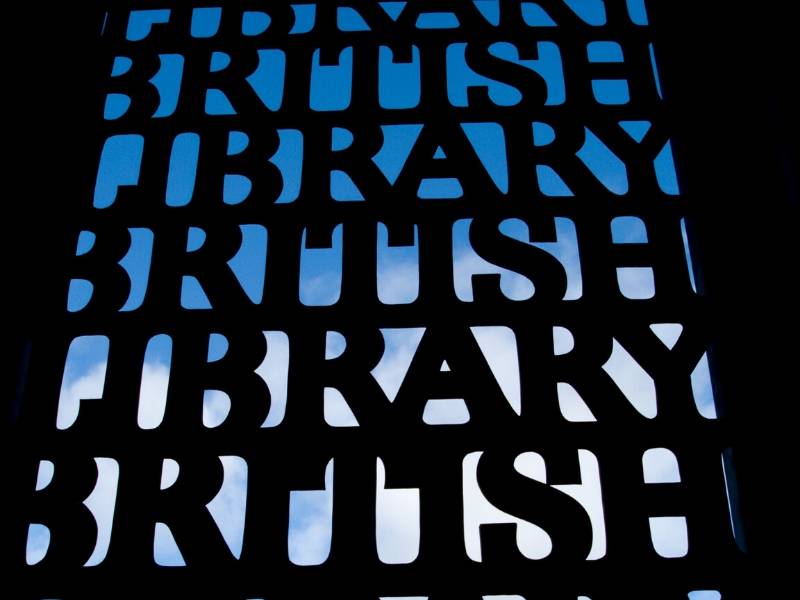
point(533, 541)
point(322, 290)
point(37, 544)
point(572, 406)
point(309, 538)
point(101, 503)
point(335, 345)
point(660, 465)
point(467, 263)
point(336, 411)
point(705, 595)
point(445, 411)
point(397, 533)
point(669, 536)
point(170, 470)
point(636, 283)
point(86, 386)
point(85, 381)
point(165, 550)
point(397, 521)
point(637, 385)
point(275, 371)
point(310, 523)
point(45, 474)
point(398, 280)
point(588, 493)
point(321, 272)
point(401, 345)
point(499, 347)
point(228, 507)
point(668, 333)
point(216, 406)
point(398, 283)
point(563, 341)
point(701, 389)
point(497, 344)
point(153, 395)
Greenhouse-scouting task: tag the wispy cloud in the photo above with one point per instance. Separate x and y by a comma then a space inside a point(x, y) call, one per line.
point(87, 387)
point(310, 523)
point(228, 507)
point(397, 534)
point(153, 395)
point(37, 544)
point(397, 521)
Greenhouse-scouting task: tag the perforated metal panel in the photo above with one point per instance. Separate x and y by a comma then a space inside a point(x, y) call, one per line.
point(405, 292)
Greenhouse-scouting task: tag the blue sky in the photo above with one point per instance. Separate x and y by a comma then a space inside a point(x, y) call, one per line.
point(397, 532)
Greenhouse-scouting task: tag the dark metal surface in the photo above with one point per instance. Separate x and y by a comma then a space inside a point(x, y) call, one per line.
point(740, 207)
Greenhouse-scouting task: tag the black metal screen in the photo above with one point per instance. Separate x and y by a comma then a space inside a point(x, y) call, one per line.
point(371, 299)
